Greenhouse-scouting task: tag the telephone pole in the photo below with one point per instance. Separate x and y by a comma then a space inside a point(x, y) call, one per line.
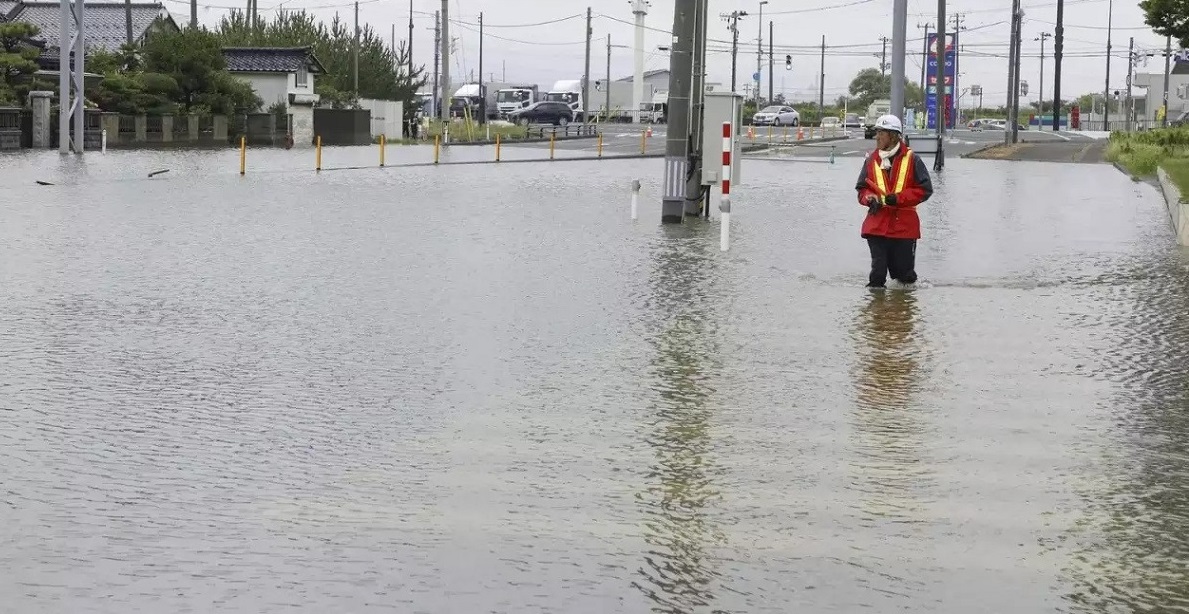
point(607, 86)
point(482, 94)
point(410, 49)
point(1014, 96)
point(194, 14)
point(958, 27)
point(585, 73)
point(899, 53)
point(733, 25)
point(437, 59)
point(883, 60)
point(1058, 47)
point(1106, 91)
point(1040, 93)
point(355, 55)
point(925, 57)
point(695, 196)
point(445, 43)
point(821, 86)
point(1130, 65)
point(677, 138)
point(942, 104)
point(772, 64)
point(1167, 58)
point(760, 51)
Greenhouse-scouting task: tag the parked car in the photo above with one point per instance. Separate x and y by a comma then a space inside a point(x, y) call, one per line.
point(776, 116)
point(831, 123)
point(852, 120)
point(544, 112)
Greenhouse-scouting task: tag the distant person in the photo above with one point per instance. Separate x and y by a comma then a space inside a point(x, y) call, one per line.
point(892, 182)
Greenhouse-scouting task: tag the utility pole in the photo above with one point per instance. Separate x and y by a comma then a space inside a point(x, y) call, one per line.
point(445, 44)
point(586, 72)
point(939, 158)
point(1040, 93)
point(1106, 91)
point(925, 57)
point(355, 54)
point(194, 14)
point(1018, 19)
point(1130, 64)
point(695, 200)
point(437, 57)
point(410, 49)
point(732, 19)
point(1058, 48)
point(772, 63)
point(899, 53)
point(607, 84)
point(482, 94)
point(958, 27)
point(677, 137)
point(760, 52)
point(1167, 58)
point(883, 60)
point(127, 23)
point(821, 86)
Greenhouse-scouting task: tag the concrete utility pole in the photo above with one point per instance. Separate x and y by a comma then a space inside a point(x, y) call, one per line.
point(585, 73)
point(677, 137)
point(1167, 58)
point(355, 54)
point(1017, 42)
point(821, 86)
point(958, 27)
point(760, 52)
point(883, 58)
point(1130, 65)
point(1040, 92)
point(482, 94)
point(925, 57)
point(772, 63)
point(1106, 91)
point(1058, 47)
point(607, 86)
point(410, 49)
point(128, 20)
point(445, 44)
point(194, 14)
point(640, 11)
point(733, 25)
point(437, 58)
point(899, 51)
point(694, 199)
point(942, 106)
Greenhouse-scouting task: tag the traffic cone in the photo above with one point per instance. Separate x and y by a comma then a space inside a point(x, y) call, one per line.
point(800, 133)
point(751, 132)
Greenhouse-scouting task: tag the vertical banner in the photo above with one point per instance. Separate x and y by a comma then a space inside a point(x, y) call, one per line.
point(947, 106)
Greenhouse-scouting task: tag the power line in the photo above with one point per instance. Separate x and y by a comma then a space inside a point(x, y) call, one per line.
point(822, 8)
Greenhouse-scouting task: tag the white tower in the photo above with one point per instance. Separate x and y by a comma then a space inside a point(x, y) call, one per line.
point(640, 10)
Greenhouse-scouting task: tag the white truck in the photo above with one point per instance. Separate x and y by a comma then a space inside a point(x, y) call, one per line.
point(620, 95)
point(514, 98)
point(875, 110)
point(656, 111)
point(568, 91)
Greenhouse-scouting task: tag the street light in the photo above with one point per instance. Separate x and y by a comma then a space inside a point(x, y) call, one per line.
point(607, 104)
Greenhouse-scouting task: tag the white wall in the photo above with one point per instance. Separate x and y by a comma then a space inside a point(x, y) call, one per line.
point(387, 117)
point(274, 87)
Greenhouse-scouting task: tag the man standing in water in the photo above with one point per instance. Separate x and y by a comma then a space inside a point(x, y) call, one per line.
point(891, 184)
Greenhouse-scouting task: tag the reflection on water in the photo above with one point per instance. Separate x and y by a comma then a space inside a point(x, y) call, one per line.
point(887, 428)
point(678, 574)
point(1131, 551)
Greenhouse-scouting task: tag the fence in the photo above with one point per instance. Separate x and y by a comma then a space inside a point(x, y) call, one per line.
point(387, 117)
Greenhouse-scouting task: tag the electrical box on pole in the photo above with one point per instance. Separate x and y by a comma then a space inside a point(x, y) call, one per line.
point(721, 106)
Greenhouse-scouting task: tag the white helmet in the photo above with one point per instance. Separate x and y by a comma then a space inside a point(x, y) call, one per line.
point(890, 123)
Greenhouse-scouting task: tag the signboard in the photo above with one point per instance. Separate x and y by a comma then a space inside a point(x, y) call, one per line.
point(947, 88)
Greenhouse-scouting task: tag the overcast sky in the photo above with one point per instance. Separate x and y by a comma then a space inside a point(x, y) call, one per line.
point(853, 28)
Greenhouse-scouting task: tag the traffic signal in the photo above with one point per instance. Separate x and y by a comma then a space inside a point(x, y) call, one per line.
point(788, 62)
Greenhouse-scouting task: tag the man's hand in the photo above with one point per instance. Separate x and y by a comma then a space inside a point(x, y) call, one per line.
point(890, 199)
point(873, 205)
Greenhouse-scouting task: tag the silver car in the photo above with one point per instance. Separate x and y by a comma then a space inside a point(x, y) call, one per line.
point(776, 115)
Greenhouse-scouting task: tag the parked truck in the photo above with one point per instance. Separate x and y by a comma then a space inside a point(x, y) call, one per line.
point(568, 91)
point(514, 98)
point(620, 97)
point(875, 110)
point(656, 111)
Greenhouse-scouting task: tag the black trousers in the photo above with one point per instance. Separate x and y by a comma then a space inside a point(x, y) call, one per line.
point(896, 257)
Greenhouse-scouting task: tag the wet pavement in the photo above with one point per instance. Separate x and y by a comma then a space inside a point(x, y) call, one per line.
point(485, 388)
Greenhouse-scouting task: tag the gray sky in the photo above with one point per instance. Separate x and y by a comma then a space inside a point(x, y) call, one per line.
point(546, 53)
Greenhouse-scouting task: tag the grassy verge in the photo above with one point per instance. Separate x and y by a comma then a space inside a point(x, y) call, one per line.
point(1141, 153)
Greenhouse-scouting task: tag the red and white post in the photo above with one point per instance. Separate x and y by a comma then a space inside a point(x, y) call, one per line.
point(724, 206)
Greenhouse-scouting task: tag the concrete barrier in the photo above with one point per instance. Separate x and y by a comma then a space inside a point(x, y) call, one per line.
point(1178, 210)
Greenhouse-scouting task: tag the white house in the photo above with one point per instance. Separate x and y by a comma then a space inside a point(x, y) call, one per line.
point(281, 75)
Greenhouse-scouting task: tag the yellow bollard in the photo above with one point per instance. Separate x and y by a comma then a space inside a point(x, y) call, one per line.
point(643, 141)
point(243, 155)
point(552, 141)
point(497, 147)
point(770, 135)
point(318, 153)
point(600, 144)
point(437, 147)
point(383, 142)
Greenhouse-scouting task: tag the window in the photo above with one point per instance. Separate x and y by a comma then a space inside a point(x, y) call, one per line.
point(303, 76)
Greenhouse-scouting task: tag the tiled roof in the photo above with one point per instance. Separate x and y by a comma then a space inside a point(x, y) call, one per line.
point(6, 7)
point(271, 59)
point(106, 27)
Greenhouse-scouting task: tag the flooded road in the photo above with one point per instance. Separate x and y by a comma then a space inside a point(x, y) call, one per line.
point(466, 389)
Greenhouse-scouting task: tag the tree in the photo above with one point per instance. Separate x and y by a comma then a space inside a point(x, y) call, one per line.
point(17, 60)
point(193, 59)
point(870, 85)
point(1168, 18)
point(383, 72)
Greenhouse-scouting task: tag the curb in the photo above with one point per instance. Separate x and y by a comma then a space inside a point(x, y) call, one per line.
point(520, 141)
point(986, 147)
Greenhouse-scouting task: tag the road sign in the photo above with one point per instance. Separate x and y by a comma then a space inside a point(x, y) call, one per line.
point(1023, 88)
point(976, 90)
point(949, 57)
point(755, 76)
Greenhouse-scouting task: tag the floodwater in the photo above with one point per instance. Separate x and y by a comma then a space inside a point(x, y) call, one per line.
point(486, 389)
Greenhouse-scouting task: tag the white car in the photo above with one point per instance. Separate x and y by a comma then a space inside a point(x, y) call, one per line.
point(776, 115)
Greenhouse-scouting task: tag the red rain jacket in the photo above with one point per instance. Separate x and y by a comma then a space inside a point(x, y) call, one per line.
point(908, 180)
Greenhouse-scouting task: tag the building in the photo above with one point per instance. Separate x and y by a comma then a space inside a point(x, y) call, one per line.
point(106, 24)
point(1153, 83)
point(654, 80)
point(281, 75)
